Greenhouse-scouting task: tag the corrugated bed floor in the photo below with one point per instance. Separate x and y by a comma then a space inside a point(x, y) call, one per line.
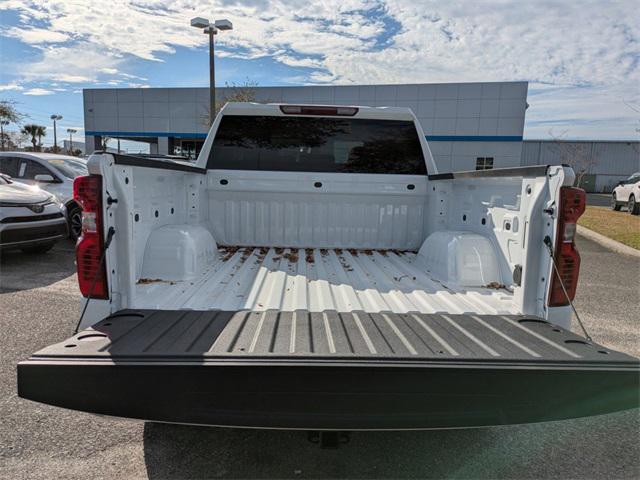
point(317, 280)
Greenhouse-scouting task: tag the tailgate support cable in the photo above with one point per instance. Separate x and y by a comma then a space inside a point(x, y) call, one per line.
point(110, 233)
point(548, 243)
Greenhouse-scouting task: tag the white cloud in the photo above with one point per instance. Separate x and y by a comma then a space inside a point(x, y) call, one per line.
point(548, 41)
point(299, 62)
point(38, 92)
point(11, 86)
point(128, 75)
point(34, 35)
point(590, 48)
point(78, 63)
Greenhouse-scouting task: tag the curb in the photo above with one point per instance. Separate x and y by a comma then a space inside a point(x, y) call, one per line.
point(607, 242)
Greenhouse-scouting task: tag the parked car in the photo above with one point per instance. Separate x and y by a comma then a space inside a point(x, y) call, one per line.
point(31, 219)
point(627, 193)
point(53, 173)
point(313, 270)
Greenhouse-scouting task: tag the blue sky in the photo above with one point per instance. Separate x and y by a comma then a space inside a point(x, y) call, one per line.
point(582, 58)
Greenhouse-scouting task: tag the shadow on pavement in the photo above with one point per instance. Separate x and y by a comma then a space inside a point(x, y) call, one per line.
point(176, 451)
point(24, 271)
point(547, 450)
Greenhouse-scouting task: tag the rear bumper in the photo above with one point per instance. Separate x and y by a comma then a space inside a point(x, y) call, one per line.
point(338, 396)
point(21, 235)
point(320, 371)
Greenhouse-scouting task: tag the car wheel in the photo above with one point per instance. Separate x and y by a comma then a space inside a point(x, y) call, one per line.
point(38, 248)
point(614, 203)
point(633, 206)
point(75, 222)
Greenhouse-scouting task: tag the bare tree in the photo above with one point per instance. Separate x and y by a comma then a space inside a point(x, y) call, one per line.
point(636, 109)
point(578, 155)
point(243, 92)
point(13, 140)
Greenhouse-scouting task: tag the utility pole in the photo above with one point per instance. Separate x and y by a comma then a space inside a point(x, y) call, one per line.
point(211, 29)
point(70, 131)
point(55, 117)
point(2, 125)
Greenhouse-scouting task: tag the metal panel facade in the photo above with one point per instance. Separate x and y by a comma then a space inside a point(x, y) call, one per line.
point(609, 161)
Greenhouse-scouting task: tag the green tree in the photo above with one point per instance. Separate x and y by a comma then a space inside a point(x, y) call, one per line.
point(8, 111)
point(35, 131)
point(8, 114)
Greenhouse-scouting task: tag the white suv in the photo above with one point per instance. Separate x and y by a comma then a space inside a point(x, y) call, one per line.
point(51, 172)
point(627, 193)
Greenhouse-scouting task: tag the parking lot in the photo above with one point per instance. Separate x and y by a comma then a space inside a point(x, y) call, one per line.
point(40, 305)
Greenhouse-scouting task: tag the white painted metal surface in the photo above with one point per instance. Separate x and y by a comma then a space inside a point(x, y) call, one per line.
point(287, 209)
point(462, 258)
point(178, 252)
point(318, 280)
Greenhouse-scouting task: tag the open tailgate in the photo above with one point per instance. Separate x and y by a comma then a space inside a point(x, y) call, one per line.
point(330, 370)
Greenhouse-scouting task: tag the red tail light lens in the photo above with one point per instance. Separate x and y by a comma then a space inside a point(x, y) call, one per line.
point(92, 275)
point(572, 205)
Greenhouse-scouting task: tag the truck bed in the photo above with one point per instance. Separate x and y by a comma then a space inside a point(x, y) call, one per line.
point(330, 370)
point(285, 279)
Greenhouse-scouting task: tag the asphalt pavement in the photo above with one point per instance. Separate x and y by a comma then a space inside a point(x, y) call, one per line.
point(599, 199)
point(40, 304)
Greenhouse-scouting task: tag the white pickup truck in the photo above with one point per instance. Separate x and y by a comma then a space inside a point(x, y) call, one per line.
point(314, 270)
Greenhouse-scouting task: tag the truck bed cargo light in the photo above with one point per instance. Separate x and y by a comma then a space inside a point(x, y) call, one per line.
point(318, 110)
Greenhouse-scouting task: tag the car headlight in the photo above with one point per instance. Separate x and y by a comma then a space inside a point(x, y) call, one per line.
point(55, 200)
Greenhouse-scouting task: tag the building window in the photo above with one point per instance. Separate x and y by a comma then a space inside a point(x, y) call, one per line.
point(484, 163)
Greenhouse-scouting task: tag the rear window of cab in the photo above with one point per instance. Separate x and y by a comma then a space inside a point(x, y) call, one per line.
point(312, 144)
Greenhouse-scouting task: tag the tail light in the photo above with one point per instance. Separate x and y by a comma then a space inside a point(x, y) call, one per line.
point(572, 204)
point(92, 275)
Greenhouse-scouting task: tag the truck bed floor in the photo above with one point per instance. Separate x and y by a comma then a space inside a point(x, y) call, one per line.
point(318, 280)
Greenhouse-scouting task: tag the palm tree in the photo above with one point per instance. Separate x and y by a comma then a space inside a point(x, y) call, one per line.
point(35, 131)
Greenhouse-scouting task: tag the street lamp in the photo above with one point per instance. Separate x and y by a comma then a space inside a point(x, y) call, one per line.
point(3, 123)
point(211, 29)
point(71, 131)
point(55, 133)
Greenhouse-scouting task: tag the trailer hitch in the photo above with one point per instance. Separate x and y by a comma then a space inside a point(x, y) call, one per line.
point(329, 438)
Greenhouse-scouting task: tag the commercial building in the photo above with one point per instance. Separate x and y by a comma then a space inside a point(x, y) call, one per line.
point(599, 164)
point(468, 125)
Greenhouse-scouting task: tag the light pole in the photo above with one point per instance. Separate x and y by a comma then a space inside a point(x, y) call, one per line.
point(55, 133)
point(211, 29)
point(2, 125)
point(71, 131)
